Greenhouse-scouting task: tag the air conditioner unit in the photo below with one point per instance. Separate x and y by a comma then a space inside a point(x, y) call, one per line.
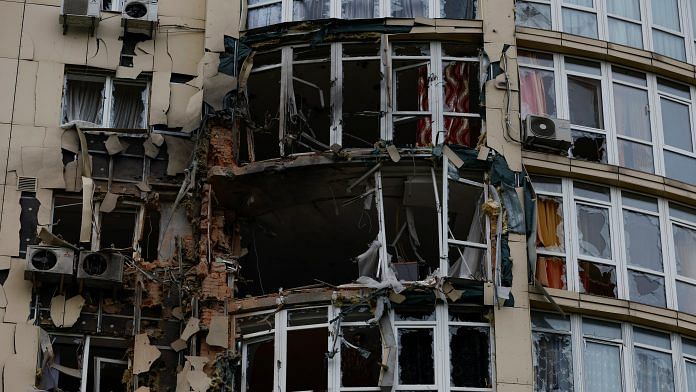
point(547, 133)
point(49, 263)
point(100, 269)
point(139, 14)
point(83, 13)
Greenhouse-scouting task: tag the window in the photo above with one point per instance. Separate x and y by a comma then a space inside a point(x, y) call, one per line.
point(649, 122)
point(689, 352)
point(102, 101)
point(613, 356)
point(622, 244)
point(112, 5)
point(430, 97)
point(432, 341)
point(653, 25)
point(267, 12)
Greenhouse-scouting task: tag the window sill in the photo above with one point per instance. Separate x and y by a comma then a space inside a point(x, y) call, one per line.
point(616, 309)
point(554, 165)
point(602, 50)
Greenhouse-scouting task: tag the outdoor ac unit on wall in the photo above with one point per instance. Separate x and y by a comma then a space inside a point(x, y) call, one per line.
point(547, 133)
point(100, 268)
point(84, 13)
point(139, 15)
point(49, 262)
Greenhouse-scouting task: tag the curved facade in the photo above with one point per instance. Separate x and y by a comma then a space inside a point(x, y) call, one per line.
point(342, 195)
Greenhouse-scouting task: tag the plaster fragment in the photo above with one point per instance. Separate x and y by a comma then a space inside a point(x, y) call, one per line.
point(144, 354)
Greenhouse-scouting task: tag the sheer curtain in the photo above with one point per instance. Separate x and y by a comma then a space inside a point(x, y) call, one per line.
point(82, 102)
point(553, 364)
point(602, 367)
point(409, 8)
point(310, 9)
point(263, 16)
point(580, 23)
point(128, 111)
point(360, 9)
point(653, 371)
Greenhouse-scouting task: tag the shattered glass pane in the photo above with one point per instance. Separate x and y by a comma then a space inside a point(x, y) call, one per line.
point(361, 356)
point(306, 360)
point(256, 323)
point(356, 314)
point(685, 250)
point(593, 231)
point(416, 356)
point(642, 240)
point(470, 357)
point(533, 15)
point(412, 81)
point(537, 92)
point(467, 314)
point(552, 321)
point(263, 90)
point(310, 125)
point(685, 297)
point(117, 229)
point(597, 279)
point(412, 131)
point(259, 365)
point(464, 219)
point(647, 288)
point(589, 146)
point(83, 101)
point(308, 316)
point(127, 168)
point(128, 110)
point(411, 49)
point(551, 272)
point(653, 371)
point(550, 235)
point(553, 362)
point(602, 368)
point(467, 262)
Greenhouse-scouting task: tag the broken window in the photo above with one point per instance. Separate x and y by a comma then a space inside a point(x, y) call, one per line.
point(263, 13)
point(310, 9)
point(411, 79)
point(310, 102)
point(67, 215)
point(552, 353)
point(360, 9)
point(102, 101)
point(460, 91)
point(466, 224)
point(602, 355)
point(361, 355)
point(586, 110)
point(470, 349)
point(550, 240)
point(122, 161)
point(533, 14)
point(537, 83)
point(260, 139)
point(361, 102)
point(117, 228)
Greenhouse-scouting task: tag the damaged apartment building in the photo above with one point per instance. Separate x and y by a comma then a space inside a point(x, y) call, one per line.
point(348, 195)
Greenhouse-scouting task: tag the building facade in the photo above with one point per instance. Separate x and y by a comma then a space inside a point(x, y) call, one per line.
point(348, 195)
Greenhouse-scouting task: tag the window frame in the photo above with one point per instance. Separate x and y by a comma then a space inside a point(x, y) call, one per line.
point(108, 99)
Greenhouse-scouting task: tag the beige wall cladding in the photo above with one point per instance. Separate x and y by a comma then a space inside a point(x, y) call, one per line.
point(10, 28)
point(104, 49)
point(25, 100)
point(17, 292)
point(4, 146)
point(20, 368)
point(9, 225)
point(513, 342)
point(26, 142)
point(8, 77)
point(43, 38)
point(186, 49)
point(49, 92)
point(222, 18)
point(186, 8)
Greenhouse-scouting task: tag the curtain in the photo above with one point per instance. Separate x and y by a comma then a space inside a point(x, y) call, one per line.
point(625, 33)
point(128, 111)
point(264, 16)
point(602, 367)
point(456, 97)
point(653, 371)
point(470, 262)
point(580, 23)
point(553, 363)
point(691, 376)
point(549, 224)
point(538, 93)
point(310, 9)
point(424, 127)
point(626, 8)
point(665, 13)
point(685, 251)
point(409, 8)
point(668, 44)
point(82, 102)
point(360, 9)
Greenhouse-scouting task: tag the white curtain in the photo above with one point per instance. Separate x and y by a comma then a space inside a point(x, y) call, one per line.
point(625, 33)
point(691, 376)
point(310, 9)
point(665, 13)
point(82, 102)
point(602, 367)
point(653, 371)
point(409, 8)
point(669, 45)
point(626, 8)
point(580, 23)
point(263, 16)
point(360, 9)
point(128, 110)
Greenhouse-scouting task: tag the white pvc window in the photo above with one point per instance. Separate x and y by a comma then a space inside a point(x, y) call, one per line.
point(102, 101)
point(438, 349)
point(262, 13)
point(618, 116)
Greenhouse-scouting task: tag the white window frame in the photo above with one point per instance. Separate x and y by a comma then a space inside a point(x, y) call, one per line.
point(627, 345)
point(440, 327)
point(108, 99)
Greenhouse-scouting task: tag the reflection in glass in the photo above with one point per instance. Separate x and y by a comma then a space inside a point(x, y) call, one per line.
point(685, 250)
point(625, 33)
point(409, 8)
point(680, 167)
point(647, 288)
point(685, 297)
point(636, 156)
point(669, 44)
point(593, 231)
